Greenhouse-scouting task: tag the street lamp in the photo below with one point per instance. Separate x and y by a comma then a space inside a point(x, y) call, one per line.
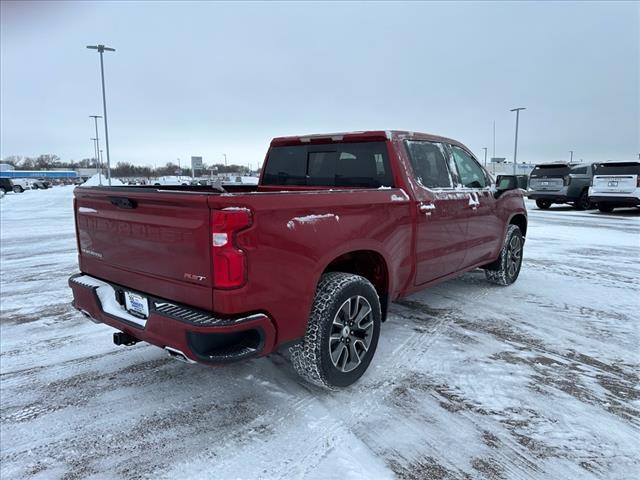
point(101, 49)
point(485, 156)
point(95, 152)
point(571, 152)
point(515, 148)
point(95, 118)
point(225, 159)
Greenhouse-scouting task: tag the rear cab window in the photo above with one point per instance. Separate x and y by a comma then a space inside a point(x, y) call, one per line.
point(617, 168)
point(559, 170)
point(358, 164)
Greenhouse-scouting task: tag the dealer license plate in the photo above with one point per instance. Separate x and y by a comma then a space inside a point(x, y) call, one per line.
point(136, 305)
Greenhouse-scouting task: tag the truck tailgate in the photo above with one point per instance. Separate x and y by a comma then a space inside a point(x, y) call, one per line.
point(160, 240)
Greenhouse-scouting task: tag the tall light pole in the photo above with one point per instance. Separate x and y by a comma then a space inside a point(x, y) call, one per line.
point(95, 154)
point(100, 177)
point(515, 148)
point(101, 49)
point(571, 152)
point(225, 159)
point(485, 156)
point(95, 118)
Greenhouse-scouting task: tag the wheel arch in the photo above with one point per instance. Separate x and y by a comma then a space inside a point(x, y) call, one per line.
point(368, 263)
point(519, 220)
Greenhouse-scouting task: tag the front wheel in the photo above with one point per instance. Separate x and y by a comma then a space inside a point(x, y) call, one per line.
point(342, 333)
point(543, 204)
point(506, 269)
point(18, 189)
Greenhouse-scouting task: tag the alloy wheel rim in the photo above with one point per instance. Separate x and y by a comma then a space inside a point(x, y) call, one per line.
point(351, 333)
point(514, 256)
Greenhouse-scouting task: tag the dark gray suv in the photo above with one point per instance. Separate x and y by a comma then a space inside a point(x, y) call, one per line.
point(561, 182)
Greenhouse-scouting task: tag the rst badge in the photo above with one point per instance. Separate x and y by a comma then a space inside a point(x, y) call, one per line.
point(194, 278)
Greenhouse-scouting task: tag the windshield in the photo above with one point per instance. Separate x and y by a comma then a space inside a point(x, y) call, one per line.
point(559, 170)
point(621, 168)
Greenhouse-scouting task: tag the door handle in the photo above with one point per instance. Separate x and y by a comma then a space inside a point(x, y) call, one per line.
point(426, 208)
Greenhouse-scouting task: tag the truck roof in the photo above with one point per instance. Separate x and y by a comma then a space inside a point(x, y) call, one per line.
point(360, 136)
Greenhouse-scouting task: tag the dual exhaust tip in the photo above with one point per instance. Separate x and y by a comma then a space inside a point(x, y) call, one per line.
point(121, 338)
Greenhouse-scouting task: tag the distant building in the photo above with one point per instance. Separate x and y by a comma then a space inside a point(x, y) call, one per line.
point(38, 174)
point(6, 166)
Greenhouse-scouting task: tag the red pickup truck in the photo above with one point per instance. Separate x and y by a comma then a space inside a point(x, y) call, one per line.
point(309, 259)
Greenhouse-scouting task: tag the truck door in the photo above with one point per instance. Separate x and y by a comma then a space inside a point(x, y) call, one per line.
point(441, 221)
point(484, 229)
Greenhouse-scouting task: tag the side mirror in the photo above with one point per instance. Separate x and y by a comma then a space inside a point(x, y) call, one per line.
point(505, 183)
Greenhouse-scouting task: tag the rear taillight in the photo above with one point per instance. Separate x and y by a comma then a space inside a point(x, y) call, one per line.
point(229, 260)
point(566, 180)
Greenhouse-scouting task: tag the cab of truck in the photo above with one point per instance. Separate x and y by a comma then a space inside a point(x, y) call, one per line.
point(561, 182)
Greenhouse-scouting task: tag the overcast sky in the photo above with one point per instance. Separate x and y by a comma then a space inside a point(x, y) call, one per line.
point(212, 78)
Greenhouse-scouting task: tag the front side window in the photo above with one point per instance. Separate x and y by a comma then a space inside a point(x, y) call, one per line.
point(471, 174)
point(429, 163)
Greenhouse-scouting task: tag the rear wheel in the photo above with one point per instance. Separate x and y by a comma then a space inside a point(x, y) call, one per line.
point(2, 190)
point(18, 189)
point(583, 202)
point(506, 269)
point(543, 204)
point(605, 208)
point(342, 333)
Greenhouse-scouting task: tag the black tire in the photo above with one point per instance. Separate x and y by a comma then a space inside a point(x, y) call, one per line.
point(506, 269)
point(18, 189)
point(2, 190)
point(583, 202)
point(342, 298)
point(605, 208)
point(543, 204)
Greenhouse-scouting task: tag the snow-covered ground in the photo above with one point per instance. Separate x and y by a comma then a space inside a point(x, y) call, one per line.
point(470, 380)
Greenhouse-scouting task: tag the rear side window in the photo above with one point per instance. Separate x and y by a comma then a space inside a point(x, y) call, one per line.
point(332, 165)
point(621, 168)
point(429, 163)
point(559, 170)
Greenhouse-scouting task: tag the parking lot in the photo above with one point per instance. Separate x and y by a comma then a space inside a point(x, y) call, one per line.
point(470, 380)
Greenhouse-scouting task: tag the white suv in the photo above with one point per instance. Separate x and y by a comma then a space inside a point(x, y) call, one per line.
point(20, 184)
point(615, 184)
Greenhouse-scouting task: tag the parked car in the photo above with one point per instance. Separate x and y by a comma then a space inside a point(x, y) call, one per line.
point(339, 226)
point(20, 184)
point(40, 184)
point(171, 180)
point(561, 182)
point(6, 185)
point(616, 184)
